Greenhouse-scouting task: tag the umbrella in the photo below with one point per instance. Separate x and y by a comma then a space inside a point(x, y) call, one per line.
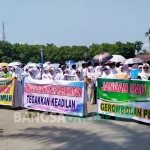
point(117, 58)
point(3, 64)
point(102, 57)
point(133, 61)
point(32, 65)
point(46, 64)
point(14, 64)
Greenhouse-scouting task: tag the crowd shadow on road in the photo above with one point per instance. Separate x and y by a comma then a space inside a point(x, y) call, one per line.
point(105, 135)
point(7, 107)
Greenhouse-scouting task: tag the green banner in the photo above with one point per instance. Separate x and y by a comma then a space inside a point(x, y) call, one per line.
point(121, 91)
point(124, 98)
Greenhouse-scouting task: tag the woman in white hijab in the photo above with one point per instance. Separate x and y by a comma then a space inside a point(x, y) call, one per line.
point(67, 72)
point(17, 99)
point(79, 77)
point(26, 70)
point(121, 70)
point(32, 73)
point(140, 67)
point(107, 73)
point(90, 80)
point(59, 75)
point(45, 74)
point(51, 74)
point(98, 73)
point(25, 73)
point(145, 74)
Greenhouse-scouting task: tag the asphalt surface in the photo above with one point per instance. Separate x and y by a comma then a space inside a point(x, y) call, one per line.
point(54, 132)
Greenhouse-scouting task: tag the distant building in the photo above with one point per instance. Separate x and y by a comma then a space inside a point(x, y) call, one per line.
point(145, 57)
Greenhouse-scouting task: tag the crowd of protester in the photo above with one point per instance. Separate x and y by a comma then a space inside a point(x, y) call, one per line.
point(88, 72)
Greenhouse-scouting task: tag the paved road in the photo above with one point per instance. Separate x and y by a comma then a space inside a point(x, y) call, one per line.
point(68, 133)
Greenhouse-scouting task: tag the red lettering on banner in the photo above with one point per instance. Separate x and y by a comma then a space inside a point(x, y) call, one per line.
point(139, 89)
point(30, 88)
point(5, 89)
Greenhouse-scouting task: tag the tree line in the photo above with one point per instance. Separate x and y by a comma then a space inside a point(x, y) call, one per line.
point(31, 53)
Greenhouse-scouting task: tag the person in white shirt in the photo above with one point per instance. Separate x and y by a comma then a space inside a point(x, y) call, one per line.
point(17, 100)
point(113, 68)
point(45, 74)
point(107, 73)
point(32, 73)
point(59, 74)
point(73, 72)
point(51, 74)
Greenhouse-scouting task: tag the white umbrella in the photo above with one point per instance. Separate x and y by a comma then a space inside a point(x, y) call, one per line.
point(133, 61)
point(14, 64)
point(46, 64)
point(117, 58)
point(32, 65)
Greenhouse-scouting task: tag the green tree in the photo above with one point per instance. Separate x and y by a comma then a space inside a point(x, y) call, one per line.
point(138, 46)
point(148, 34)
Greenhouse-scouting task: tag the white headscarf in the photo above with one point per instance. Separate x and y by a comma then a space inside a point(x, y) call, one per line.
point(143, 74)
point(109, 75)
point(98, 71)
point(90, 71)
point(140, 66)
point(79, 78)
point(17, 73)
point(59, 75)
point(26, 67)
point(36, 70)
point(66, 71)
point(51, 76)
point(45, 73)
point(33, 73)
point(121, 72)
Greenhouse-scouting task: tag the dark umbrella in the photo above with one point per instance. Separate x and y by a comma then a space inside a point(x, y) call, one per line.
point(102, 57)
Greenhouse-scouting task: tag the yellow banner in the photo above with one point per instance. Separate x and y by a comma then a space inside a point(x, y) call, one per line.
point(6, 91)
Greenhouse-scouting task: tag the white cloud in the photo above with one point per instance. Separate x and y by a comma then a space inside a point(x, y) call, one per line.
point(146, 45)
point(35, 42)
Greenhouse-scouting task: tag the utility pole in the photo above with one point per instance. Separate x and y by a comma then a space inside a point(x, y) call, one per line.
point(3, 38)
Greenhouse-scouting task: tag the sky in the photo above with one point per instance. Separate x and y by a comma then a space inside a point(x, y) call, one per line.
point(75, 22)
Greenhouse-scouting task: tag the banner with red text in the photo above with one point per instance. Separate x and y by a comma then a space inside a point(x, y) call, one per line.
point(54, 96)
point(124, 98)
point(6, 91)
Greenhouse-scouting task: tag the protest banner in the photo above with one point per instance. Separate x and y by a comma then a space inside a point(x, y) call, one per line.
point(124, 98)
point(57, 96)
point(69, 77)
point(6, 91)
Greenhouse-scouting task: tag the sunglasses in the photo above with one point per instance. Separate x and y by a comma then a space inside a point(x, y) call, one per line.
point(105, 69)
point(145, 67)
point(140, 68)
point(77, 72)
